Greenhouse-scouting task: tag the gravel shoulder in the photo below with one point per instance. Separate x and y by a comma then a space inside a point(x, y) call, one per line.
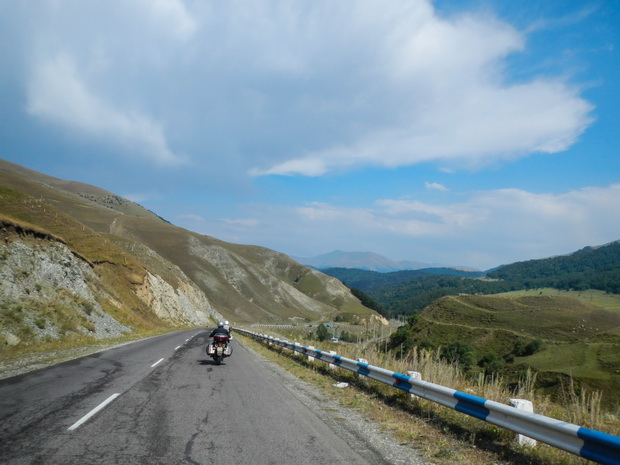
point(18, 365)
point(360, 432)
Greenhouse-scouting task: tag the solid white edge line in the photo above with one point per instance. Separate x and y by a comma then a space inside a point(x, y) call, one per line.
point(157, 363)
point(101, 406)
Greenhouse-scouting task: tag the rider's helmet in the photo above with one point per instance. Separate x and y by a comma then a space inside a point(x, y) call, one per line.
point(220, 324)
point(226, 322)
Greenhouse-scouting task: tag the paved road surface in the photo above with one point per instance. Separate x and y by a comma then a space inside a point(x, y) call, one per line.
point(168, 403)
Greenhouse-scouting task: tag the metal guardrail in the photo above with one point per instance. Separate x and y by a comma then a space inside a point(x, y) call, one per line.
point(589, 444)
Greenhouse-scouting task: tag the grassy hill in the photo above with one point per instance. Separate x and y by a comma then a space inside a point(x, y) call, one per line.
point(134, 253)
point(574, 337)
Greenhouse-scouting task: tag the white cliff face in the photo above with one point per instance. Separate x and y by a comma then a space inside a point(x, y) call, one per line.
point(185, 304)
point(249, 280)
point(46, 291)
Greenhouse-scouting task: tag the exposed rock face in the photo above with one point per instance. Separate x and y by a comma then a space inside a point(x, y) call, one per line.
point(186, 304)
point(46, 291)
point(254, 283)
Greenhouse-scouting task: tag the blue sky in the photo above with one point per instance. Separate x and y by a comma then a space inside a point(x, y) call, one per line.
point(451, 132)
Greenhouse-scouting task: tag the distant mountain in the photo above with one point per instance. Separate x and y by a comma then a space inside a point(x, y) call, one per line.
point(361, 260)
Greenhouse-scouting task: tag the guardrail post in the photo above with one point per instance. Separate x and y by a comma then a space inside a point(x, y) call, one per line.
point(331, 365)
point(362, 360)
point(414, 375)
point(310, 357)
point(526, 406)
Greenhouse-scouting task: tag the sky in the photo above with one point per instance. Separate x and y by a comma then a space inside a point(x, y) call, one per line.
point(457, 133)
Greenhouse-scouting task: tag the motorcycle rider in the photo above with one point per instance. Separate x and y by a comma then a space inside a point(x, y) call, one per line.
point(220, 330)
point(219, 353)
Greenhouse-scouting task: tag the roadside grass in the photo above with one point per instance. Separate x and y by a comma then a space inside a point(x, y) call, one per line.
point(446, 436)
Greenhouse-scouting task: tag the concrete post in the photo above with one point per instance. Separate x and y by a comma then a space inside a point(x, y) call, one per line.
point(331, 365)
point(527, 406)
point(310, 358)
point(414, 375)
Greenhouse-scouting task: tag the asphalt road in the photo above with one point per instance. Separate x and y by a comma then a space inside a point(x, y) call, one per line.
point(163, 401)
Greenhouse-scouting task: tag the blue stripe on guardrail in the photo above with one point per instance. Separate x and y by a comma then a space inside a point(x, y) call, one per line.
point(363, 369)
point(600, 447)
point(471, 405)
point(402, 382)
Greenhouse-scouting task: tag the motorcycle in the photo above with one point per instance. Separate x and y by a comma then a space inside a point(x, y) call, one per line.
point(219, 348)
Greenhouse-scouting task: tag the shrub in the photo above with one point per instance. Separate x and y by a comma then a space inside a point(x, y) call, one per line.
point(322, 334)
point(491, 363)
point(459, 352)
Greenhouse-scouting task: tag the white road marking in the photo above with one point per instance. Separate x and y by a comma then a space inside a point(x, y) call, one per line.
point(157, 363)
point(101, 406)
point(177, 347)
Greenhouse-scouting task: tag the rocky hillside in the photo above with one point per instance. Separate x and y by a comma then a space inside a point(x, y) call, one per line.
point(78, 261)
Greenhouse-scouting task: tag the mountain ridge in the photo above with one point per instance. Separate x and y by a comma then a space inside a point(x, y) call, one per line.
point(146, 272)
point(362, 260)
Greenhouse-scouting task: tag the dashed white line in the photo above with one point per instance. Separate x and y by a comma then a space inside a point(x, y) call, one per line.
point(101, 406)
point(157, 363)
point(177, 347)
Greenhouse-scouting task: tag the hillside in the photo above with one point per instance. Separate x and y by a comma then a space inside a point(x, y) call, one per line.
point(73, 255)
point(588, 268)
point(566, 337)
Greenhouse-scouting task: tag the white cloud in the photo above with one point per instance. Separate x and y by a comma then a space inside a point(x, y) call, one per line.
point(435, 186)
point(486, 229)
point(191, 217)
point(58, 93)
point(169, 14)
point(441, 87)
point(294, 88)
point(247, 222)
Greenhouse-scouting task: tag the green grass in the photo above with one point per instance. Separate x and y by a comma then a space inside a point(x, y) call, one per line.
point(580, 360)
point(579, 338)
point(599, 298)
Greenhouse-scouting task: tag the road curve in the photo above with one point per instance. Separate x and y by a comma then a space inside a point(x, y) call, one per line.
point(163, 401)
